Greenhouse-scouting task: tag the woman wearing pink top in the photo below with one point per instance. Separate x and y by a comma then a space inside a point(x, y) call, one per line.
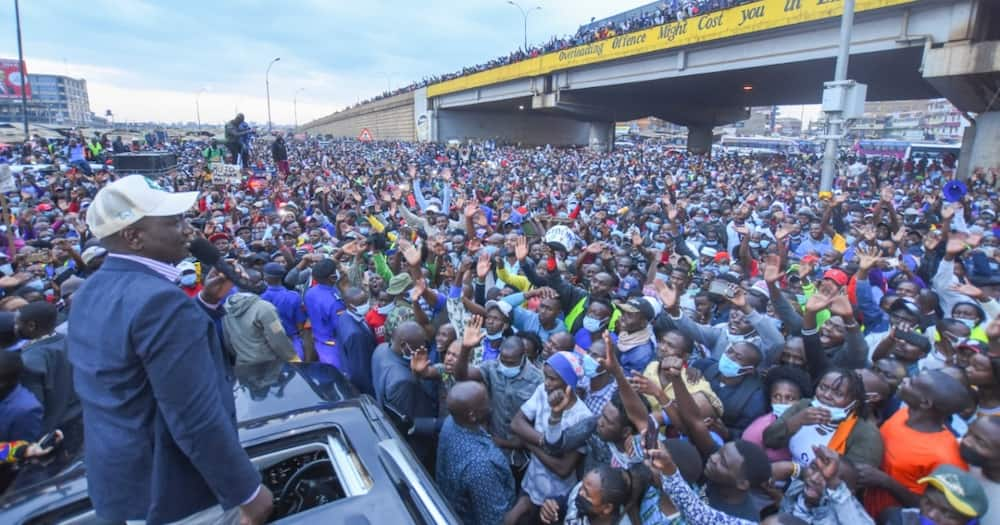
point(785, 386)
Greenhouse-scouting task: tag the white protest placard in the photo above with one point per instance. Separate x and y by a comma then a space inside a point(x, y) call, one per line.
point(225, 173)
point(7, 183)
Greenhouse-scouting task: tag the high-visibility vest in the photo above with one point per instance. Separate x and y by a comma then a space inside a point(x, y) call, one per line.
point(581, 306)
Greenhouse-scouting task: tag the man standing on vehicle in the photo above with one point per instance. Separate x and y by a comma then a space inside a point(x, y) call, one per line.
point(149, 367)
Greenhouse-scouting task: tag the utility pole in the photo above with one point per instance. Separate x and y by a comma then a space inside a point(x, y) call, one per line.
point(838, 93)
point(24, 70)
point(295, 106)
point(267, 90)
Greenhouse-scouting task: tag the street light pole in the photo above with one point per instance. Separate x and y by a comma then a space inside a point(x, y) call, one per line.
point(267, 89)
point(295, 106)
point(835, 121)
point(524, 16)
point(24, 70)
point(197, 107)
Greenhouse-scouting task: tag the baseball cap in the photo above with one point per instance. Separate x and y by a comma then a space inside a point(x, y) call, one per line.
point(640, 305)
point(504, 307)
point(908, 306)
point(186, 266)
point(273, 269)
point(432, 208)
point(837, 276)
point(127, 200)
point(961, 489)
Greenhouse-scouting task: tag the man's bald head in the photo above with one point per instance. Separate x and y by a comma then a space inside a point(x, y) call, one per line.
point(468, 403)
point(355, 296)
point(408, 334)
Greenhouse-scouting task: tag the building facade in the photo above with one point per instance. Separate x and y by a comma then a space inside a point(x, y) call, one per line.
point(55, 99)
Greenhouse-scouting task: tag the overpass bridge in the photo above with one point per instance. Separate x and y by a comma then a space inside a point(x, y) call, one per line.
point(707, 70)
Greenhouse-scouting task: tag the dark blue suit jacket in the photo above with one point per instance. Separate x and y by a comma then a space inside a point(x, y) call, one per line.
point(357, 342)
point(156, 389)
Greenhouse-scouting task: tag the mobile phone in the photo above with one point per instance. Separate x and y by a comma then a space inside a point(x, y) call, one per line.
point(649, 439)
point(720, 287)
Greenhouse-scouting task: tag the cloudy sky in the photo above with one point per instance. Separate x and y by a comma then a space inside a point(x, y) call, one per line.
point(147, 60)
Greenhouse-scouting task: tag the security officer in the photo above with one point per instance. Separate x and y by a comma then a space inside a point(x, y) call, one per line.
point(324, 306)
point(287, 302)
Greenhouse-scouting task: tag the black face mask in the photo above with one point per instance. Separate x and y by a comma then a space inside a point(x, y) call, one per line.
point(971, 456)
point(583, 506)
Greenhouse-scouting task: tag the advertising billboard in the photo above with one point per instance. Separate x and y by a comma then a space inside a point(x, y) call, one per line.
point(10, 79)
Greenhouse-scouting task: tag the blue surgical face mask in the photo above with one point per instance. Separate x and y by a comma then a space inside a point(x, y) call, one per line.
point(494, 337)
point(591, 324)
point(836, 414)
point(971, 323)
point(754, 245)
point(189, 279)
point(36, 285)
point(659, 246)
point(362, 309)
point(387, 309)
point(491, 250)
point(652, 226)
point(509, 372)
point(779, 408)
point(764, 243)
point(729, 368)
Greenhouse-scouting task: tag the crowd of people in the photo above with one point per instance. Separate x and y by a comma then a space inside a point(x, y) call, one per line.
point(563, 335)
point(662, 13)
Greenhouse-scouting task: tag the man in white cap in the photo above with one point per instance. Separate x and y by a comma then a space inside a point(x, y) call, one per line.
point(155, 386)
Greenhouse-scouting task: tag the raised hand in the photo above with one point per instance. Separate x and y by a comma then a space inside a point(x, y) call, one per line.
point(969, 290)
point(948, 211)
point(868, 257)
point(483, 265)
point(594, 248)
point(644, 385)
point(737, 296)
point(772, 269)
point(610, 360)
point(886, 194)
point(410, 252)
point(473, 334)
point(660, 460)
point(521, 248)
point(828, 462)
point(841, 307)
point(783, 232)
point(818, 301)
point(420, 361)
point(419, 287)
point(471, 208)
point(667, 293)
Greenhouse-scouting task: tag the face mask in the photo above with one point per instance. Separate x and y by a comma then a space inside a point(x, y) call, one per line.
point(491, 250)
point(755, 246)
point(386, 309)
point(509, 372)
point(362, 309)
point(836, 414)
point(188, 280)
point(653, 226)
point(764, 244)
point(494, 337)
point(583, 506)
point(971, 323)
point(779, 408)
point(36, 285)
point(592, 325)
point(712, 242)
point(659, 246)
point(740, 338)
point(729, 368)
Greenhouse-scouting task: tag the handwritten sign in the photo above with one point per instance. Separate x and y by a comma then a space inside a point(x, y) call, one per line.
point(225, 173)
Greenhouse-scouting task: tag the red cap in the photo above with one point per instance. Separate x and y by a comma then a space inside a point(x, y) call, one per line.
point(837, 276)
point(218, 237)
point(721, 256)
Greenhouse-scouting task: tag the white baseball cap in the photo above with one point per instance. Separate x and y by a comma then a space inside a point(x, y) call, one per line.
point(127, 200)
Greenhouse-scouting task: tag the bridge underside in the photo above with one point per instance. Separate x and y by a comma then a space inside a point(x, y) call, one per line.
point(890, 75)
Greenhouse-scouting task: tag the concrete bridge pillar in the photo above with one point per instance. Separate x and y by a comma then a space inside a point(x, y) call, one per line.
point(980, 145)
point(699, 138)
